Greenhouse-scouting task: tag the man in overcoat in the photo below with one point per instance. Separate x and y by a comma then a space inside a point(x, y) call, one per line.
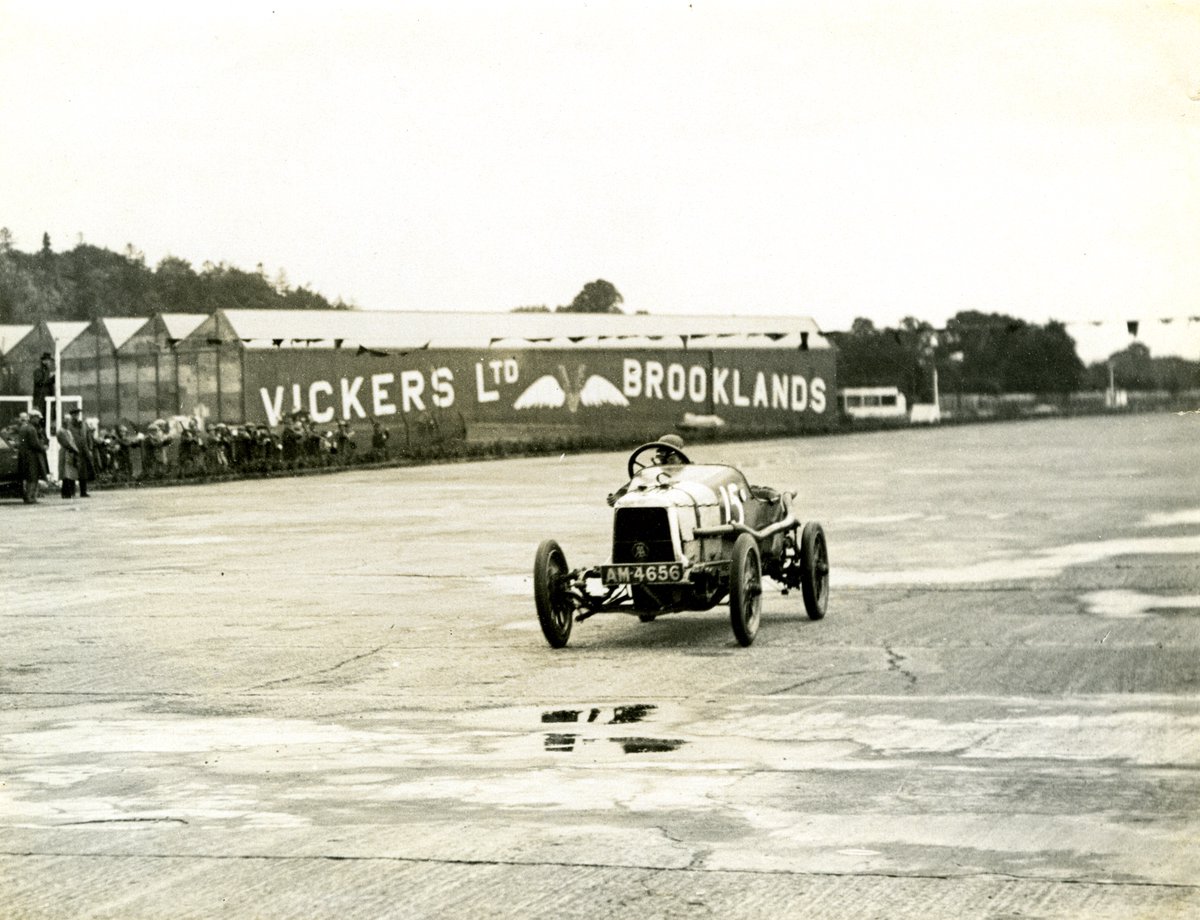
point(31, 457)
point(85, 444)
point(68, 460)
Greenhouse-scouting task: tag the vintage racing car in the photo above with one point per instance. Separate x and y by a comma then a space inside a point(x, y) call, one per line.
point(686, 536)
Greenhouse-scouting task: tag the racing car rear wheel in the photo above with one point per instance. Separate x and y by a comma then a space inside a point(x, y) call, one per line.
point(555, 606)
point(814, 570)
point(745, 589)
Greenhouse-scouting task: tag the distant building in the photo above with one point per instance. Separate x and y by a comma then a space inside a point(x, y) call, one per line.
point(873, 402)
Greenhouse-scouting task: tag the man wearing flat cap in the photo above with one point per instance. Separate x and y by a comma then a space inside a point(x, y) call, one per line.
point(671, 454)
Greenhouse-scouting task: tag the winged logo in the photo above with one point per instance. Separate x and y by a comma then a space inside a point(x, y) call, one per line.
point(552, 391)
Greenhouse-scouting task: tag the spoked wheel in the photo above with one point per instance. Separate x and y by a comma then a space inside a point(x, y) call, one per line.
point(555, 605)
point(745, 589)
point(814, 570)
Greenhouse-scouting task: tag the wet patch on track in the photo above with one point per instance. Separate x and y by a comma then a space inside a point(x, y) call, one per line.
point(564, 742)
point(1121, 604)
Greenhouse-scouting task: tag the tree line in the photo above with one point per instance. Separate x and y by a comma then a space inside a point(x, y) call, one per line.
point(994, 354)
point(90, 282)
point(989, 353)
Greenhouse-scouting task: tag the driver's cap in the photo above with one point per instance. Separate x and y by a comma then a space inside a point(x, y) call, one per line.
point(673, 439)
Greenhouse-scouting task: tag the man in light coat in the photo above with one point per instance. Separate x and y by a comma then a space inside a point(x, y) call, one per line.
point(68, 460)
point(85, 445)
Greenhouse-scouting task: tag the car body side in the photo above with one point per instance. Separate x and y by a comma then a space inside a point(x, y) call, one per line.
point(694, 497)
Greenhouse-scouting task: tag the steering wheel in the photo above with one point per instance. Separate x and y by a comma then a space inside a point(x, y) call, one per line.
point(636, 464)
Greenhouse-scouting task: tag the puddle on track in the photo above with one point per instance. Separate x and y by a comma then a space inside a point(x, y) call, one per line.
point(564, 742)
point(621, 715)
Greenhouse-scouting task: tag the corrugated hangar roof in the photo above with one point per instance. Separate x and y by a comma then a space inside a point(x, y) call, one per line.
point(181, 325)
point(406, 330)
point(10, 335)
point(120, 329)
point(66, 332)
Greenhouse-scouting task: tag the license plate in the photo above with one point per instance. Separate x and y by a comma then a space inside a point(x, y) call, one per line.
point(642, 573)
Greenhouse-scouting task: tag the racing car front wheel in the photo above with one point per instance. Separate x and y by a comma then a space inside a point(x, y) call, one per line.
point(814, 570)
point(745, 589)
point(555, 606)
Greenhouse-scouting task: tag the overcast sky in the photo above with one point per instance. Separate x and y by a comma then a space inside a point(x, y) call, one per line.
point(831, 159)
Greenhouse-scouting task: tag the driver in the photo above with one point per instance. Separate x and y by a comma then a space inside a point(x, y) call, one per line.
point(663, 456)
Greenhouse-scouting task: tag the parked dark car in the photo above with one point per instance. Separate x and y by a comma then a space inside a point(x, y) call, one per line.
point(10, 482)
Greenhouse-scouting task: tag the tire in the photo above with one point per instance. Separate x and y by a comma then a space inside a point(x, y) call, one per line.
point(814, 570)
point(555, 606)
point(745, 589)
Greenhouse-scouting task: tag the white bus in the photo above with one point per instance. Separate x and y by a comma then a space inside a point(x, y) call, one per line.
point(873, 402)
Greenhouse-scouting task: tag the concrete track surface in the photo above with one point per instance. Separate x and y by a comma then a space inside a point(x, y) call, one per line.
point(329, 697)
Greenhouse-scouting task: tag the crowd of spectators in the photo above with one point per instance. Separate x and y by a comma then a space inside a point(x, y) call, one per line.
point(185, 447)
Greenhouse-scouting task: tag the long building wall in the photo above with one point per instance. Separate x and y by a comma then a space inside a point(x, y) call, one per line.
point(580, 388)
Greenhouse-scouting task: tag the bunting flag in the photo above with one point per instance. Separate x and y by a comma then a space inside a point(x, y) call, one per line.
point(804, 341)
point(373, 352)
point(1132, 326)
point(411, 350)
point(337, 343)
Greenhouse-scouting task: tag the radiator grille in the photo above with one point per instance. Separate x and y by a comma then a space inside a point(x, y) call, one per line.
point(642, 535)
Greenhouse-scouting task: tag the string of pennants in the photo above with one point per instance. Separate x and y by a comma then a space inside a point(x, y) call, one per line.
point(1132, 326)
point(685, 338)
point(573, 339)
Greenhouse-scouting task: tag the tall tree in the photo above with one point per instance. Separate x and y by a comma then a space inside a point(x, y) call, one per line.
point(597, 296)
point(868, 356)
